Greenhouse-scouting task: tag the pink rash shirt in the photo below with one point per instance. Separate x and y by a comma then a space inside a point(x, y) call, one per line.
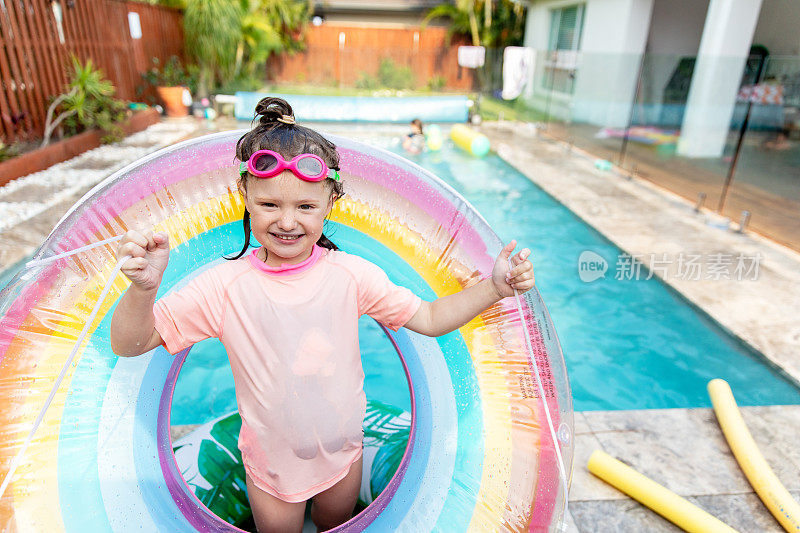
point(291, 334)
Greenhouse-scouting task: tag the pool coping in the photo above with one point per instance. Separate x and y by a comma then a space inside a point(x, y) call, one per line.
point(643, 219)
point(685, 451)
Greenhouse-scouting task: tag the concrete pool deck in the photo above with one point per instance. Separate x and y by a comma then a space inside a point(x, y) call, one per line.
point(682, 449)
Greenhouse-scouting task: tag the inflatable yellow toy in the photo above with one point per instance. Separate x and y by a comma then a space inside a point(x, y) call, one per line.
point(473, 142)
point(433, 138)
point(766, 484)
point(657, 497)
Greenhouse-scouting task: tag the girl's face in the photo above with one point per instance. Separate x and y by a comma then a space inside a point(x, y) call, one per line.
point(286, 215)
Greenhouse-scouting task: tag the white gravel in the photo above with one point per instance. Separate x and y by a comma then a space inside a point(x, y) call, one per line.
point(68, 178)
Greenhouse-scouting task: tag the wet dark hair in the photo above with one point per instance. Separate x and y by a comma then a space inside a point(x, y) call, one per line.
point(276, 130)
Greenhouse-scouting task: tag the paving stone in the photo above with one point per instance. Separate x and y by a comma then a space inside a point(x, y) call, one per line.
point(581, 425)
point(681, 449)
point(180, 431)
point(743, 512)
point(776, 431)
point(586, 486)
point(569, 524)
point(618, 516)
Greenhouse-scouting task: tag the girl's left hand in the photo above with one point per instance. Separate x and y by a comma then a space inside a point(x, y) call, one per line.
point(519, 277)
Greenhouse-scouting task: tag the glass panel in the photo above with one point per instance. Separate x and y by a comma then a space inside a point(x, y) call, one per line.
point(766, 181)
point(652, 142)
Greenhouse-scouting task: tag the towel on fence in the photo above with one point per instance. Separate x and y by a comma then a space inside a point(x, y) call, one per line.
point(471, 56)
point(517, 70)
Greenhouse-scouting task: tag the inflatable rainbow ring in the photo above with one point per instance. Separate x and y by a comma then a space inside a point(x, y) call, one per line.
point(481, 456)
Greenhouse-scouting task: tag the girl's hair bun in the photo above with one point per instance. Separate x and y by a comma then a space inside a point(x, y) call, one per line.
point(272, 110)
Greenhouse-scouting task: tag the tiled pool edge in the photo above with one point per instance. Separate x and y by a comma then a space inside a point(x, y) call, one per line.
point(685, 451)
point(617, 207)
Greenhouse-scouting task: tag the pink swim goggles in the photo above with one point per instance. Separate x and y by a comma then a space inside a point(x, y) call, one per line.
point(308, 167)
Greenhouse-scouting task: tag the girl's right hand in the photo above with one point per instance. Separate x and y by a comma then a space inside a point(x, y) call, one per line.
point(149, 257)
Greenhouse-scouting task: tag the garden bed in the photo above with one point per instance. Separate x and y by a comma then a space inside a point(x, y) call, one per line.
point(42, 158)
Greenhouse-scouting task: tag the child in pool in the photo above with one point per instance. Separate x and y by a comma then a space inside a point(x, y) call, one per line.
point(287, 314)
point(414, 142)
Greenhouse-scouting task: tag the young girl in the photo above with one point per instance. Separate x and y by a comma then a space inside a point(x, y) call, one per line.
point(414, 142)
point(287, 314)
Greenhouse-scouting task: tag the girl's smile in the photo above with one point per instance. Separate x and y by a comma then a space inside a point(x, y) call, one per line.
point(286, 215)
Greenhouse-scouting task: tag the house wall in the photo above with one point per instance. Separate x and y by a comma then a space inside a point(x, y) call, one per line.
point(676, 27)
point(613, 39)
point(777, 27)
point(675, 31)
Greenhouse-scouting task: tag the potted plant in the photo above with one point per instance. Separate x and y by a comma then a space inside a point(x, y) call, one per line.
point(171, 83)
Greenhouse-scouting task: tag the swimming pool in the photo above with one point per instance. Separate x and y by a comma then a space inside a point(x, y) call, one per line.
point(628, 344)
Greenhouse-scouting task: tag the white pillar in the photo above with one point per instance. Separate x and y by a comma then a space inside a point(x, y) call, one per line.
point(724, 48)
point(614, 39)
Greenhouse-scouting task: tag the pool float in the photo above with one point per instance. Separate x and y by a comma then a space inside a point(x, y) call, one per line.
point(660, 499)
point(766, 484)
point(433, 138)
point(85, 442)
point(470, 140)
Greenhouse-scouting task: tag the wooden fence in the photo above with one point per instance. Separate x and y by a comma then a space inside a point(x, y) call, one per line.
point(341, 54)
point(38, 38)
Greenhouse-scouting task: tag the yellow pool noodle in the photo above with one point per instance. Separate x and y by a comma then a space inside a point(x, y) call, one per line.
point(657, 497)
point(473, 142)
point(766, 484)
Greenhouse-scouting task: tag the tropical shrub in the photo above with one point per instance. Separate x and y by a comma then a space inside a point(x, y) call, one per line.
point(490, 23)
point(232, 39)
point(436, 83)
point(212, 29)
point(365, 81)
point(394, 76)
point(172, 74)
point(7, 152)
point(89, 103)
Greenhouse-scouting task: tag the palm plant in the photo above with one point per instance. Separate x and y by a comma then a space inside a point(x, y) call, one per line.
point(231, 39)
point(89, 103)
point(212, 30)
point(268, 27)
point(490, 23)
point(463, 20)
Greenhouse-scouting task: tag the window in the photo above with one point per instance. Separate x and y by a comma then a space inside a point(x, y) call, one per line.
point(566, 25)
